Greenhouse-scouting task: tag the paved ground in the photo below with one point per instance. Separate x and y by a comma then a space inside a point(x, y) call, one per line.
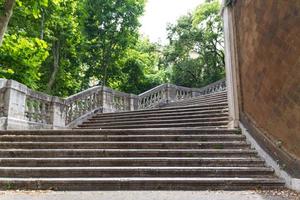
point(150, 195)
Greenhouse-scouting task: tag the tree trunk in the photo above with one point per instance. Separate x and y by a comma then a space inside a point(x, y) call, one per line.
point(4, 19)
point(55, 51)
point(42, 24)
point(105, 76)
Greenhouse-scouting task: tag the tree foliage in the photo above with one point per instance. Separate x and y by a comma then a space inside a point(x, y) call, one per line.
point(139, 68)
point(64, 46)
point(111, 27)
point(21, 58)
point(195, 54)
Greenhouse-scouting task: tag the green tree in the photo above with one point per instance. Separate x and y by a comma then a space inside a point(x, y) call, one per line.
point(195, 54)
point(21, 58)
point(57, 23)
point(111, 26)
point(139, 70)
point(61, 29)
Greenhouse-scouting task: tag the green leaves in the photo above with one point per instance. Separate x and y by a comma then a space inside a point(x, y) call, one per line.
point(195, 54)
point(21, 58)
point(111, 28)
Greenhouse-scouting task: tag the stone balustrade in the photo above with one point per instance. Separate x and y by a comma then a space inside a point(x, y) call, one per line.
point(165, 93)
point(214, 87)
point(23, 108)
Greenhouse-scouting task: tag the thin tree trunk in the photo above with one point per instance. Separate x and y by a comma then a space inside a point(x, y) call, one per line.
point(42, 25)
point(55, 51)
point(4, 19)
point(105, 76)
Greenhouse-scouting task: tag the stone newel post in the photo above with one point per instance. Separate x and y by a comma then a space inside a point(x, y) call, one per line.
point(58, 113)
point(14, 101)
point(171, 93)
point(134, 102)
point(107, 100)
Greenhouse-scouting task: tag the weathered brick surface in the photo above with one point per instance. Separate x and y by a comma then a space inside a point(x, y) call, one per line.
point(268, 37)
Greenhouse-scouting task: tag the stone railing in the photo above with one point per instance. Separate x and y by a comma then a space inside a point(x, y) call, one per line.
point(164, 94)
point(214, 87)
point(23, 108)
point(85, 102)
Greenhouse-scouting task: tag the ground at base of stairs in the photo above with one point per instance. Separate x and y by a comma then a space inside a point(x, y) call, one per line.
point(151, 195)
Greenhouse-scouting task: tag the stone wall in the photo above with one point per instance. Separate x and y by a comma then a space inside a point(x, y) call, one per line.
point(268, 46)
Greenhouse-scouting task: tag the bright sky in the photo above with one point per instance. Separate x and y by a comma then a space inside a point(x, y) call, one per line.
point(161, 12)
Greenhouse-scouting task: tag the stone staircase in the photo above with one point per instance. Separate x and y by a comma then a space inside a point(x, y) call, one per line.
point(209, 111)
point(183, 145)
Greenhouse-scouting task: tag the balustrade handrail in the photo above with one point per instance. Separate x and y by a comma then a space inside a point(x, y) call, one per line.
point(153, 90)
point(83, 93)
point(37, 107)
point(213, 87)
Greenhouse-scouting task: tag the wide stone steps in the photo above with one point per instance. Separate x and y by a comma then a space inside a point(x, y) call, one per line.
point(204, 98)
point(155, 121)
point(132, 161)
point(188, 115)
point(96, 132)
point(126, 145)
point(93, 172)
point(183, 145)
point(198, 116)
point(126, 138)
point(213, 124)
point(141, 183)
point(73, 153)
point(201, 113)
point(176, 110)
point(199, 100)
point(195, 101)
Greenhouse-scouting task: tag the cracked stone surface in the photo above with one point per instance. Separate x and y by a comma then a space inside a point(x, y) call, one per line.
point(151, 195)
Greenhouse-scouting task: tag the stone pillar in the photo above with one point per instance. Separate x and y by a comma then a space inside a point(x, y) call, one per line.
point(231, 63)
point(171, 93)
point(107, 100)
point(15, 105)
point(3, 109)
point(195, 92)
point(134, 102)
point(58, 113)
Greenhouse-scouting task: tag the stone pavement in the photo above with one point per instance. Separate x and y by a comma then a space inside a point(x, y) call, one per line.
point(149, 195)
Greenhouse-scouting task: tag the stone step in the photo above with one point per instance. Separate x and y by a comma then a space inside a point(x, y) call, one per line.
point(212, 100)
point(169, 109)
point(141, 183)
point(158, 117)
point(60, 153)
point(110, 117)
point(213, 124)
point(124, 145)
point(169, 131)
point(203, 98)
point(132, 161)
point(155, 121)
point(97, 172)
point(86, 138)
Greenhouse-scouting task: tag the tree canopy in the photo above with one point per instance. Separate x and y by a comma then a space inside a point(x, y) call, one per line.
point(64, 46)
point(195, 54)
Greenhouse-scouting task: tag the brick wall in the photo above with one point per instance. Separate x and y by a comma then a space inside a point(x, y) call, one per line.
point(268, 41)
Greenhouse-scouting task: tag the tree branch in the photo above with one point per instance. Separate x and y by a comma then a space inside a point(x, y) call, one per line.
point(4, 19)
